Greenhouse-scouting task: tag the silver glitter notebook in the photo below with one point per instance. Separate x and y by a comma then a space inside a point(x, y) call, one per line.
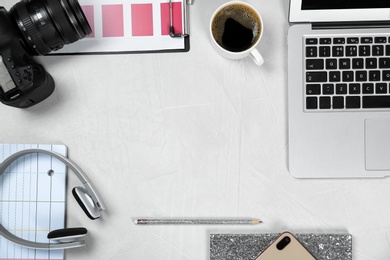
point(248, 246)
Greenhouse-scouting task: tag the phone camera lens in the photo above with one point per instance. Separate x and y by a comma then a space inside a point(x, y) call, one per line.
point(283, 243)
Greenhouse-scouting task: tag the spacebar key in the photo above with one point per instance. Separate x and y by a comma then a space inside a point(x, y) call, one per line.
point(376, 102)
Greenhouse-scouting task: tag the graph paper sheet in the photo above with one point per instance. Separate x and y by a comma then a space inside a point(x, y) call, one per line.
point(32, 201)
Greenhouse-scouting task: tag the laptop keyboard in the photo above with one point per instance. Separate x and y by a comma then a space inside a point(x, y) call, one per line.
point(347, 73)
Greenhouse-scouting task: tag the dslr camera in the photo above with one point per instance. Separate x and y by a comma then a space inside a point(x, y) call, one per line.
point(32, 28)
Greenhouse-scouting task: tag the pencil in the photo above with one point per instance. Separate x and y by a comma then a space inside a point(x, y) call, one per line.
point(197, 221)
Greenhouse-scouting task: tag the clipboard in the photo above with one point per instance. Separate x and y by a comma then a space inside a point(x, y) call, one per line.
point(133, 26)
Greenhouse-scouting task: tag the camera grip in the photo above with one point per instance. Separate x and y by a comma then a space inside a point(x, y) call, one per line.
point(33, 84)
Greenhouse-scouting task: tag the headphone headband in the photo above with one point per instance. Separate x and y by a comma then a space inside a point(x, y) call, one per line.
point(89, 190)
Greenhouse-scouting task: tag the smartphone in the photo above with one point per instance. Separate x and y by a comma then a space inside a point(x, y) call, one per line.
point(286, 247)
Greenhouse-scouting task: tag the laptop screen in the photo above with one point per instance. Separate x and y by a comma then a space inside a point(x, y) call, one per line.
point(339, 10)
point(343, 4)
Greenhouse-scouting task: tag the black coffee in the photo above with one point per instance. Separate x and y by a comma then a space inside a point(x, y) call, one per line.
point(236, 27)
point(236, 37)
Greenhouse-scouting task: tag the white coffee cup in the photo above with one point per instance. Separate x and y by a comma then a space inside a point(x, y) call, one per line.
point(237, 54)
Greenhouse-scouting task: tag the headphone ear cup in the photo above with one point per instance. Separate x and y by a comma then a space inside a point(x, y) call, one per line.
point(86, 203)
point(67, 234)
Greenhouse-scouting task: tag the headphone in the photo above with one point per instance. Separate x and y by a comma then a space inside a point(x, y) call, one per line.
point(87, 197)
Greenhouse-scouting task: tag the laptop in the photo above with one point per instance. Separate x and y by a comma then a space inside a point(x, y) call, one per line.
point(338, 88)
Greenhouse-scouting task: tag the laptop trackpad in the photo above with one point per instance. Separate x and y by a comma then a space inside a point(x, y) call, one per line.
point(377, 144)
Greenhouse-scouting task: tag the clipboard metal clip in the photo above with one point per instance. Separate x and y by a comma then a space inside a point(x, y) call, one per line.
point(171, 28)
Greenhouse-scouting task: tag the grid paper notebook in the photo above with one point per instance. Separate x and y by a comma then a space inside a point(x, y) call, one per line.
point(32, 201)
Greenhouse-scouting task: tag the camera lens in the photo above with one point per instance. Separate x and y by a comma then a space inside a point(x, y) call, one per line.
point(283, 243)
point(48, 25)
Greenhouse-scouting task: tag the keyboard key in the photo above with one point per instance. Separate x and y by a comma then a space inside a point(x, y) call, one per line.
point(324, 51)
point(380, 40)
point(328, 89)
point(338, 102)
point(387, 50)
point(368, 88)
point(338, 40)
point(364, 50)
point(386, 75)
point(311, 41)
point(351, 51)
point(374, 75)
point(353, 102)
point(353, 40)
point(357, 63)
point(361, 75)
point(331, 64)
point(371, 63)
point(311, 103)
point(367, 40)
point(311, 52)
point(384, 63)
point(348, 76)
point(313, 89)
point(325, 41)
point(334, 76)
point(354, 88)
point(316, 76)
point(345, 64)
point(376, 102)
point(378, 50)
point(381, 88)
point(314, 64)
point(341, 89)
point(338, 51)
point(324, 102)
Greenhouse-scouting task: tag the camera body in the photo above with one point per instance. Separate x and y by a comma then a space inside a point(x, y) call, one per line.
point(30, 82)
point(34, 27)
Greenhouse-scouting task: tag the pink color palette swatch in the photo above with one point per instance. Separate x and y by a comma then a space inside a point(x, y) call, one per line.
point(112, 20)
point(142, 19)
point(176, 18)
point(142, 24)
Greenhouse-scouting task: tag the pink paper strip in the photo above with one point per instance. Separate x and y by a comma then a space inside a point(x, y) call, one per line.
point(112, 20)
point(142, 19)
point(176, 18)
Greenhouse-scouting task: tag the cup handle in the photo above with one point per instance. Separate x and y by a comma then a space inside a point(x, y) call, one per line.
point(256, 57)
